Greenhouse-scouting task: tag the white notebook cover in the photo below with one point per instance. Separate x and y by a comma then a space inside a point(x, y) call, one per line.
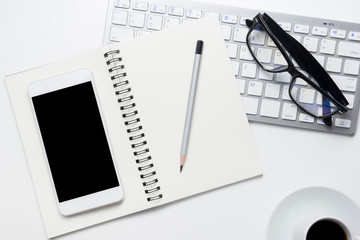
point(159, 67)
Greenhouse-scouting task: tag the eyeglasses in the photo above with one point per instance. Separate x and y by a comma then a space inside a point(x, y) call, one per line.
point(311, 88)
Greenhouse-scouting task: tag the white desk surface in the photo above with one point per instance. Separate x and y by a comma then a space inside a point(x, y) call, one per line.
point(38, 32)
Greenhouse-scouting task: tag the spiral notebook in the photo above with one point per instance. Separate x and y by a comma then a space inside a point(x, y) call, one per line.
point(143, 86)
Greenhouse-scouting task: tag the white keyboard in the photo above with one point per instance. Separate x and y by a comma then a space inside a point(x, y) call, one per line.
point(335, 44)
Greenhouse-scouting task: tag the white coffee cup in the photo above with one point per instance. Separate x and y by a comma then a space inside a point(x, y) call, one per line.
point(305, 224)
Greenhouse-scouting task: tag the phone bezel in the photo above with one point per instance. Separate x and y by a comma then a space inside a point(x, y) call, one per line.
point(91, 201)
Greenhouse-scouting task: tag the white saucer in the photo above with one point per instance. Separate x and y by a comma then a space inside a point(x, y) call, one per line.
point(316, 201)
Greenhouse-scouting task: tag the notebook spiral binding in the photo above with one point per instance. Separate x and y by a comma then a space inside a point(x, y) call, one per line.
point(133, 125)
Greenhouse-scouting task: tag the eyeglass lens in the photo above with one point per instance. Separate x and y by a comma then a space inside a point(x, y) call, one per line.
point(265, 50)
point(310, 99)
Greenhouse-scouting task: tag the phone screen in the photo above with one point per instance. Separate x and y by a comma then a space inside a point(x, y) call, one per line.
point(75, 142)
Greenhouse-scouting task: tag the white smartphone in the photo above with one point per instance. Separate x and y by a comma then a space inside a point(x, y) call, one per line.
point(75, 142)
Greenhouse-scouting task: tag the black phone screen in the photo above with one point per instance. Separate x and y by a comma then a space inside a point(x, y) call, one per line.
point(75, 141)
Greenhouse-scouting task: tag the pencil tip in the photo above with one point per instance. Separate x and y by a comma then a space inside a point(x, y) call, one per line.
point(181, 167)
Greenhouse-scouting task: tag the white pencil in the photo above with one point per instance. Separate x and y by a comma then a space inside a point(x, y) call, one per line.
point(191, 101)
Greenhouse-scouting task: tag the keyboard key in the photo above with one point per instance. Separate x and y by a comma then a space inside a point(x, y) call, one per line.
point(354, 36)
point(334, 65)
point(212, 14)
point(137, 20)
point(154, 22)
point(257, 37)
point(120, 17)
point(226, 32)
point(240, 34)
point(241, 83)
point(344, 123)
point(299, 28)
point(255, 88)
point(284, 77)
point(140, 6)
point(303, 117)
point(158, 8)
point(270, 108)
point(186, 20)
point(264, 75)
point(289, 111)
point(336, 33)
point(271, 43)
point(264, 55)
point(327, 46)
point(285, 93)
point(232, 49)
point(300, 82)
point(272, 90)
point(141, 33)
point(243, 20)
point(311, 44)
point(319, 31)
point(251, 105)
point(285, 26)
point(171, 22)
point(245, 53)
point(191, 13)
point(122, 3)
point(236, 66)
point(320, 59)
point(320, 121)
point(350, 98)
point(176, 11)
point(319, 100)
point(351, 67)
point(226, 18)
point(279, 58)
point(248, 70)
point(345, 83)
point(349, 49)
point(307, 95)
point(118, 34)
point(296, 37)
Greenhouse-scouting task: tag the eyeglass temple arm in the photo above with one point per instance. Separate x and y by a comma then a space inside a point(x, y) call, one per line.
point(302, 56)
point(249, 23)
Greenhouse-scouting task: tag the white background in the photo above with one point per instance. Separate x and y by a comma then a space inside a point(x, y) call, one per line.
point(38, 32)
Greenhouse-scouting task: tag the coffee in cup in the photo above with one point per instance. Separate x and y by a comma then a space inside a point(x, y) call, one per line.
point(323, 228)
point(327, 229)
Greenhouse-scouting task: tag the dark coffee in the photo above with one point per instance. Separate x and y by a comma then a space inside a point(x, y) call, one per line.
point(326, 230)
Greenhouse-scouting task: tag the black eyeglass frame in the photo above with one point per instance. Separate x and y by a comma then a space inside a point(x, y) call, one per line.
point(300, 57)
